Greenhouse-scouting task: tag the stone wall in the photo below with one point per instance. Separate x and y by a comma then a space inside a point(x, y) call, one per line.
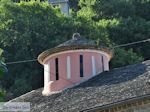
point(141, 108)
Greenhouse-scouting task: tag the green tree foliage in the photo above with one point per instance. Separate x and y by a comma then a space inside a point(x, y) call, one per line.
point(132, 16)
point(111, 8)
point(2, 70)
point(20, 86)
point(131, 30)
point(29, 28)
point(122, 8)
point(86, 10)
point(123, 58)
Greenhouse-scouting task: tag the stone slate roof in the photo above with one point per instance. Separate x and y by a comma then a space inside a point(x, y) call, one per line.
point(77, 42)
point(108, 87)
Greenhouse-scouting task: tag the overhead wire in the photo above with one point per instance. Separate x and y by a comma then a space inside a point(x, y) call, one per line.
point(121, 45)
point(132, 43)
point(24, 61)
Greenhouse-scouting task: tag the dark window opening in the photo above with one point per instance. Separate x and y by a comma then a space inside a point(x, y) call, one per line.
point(57, 69)
point(102, 63)
point(81, 65)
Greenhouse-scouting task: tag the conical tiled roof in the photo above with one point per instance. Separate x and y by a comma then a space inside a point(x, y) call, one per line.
point(77, 42)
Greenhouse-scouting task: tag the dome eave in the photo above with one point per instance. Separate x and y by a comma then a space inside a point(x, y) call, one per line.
point(49, 52)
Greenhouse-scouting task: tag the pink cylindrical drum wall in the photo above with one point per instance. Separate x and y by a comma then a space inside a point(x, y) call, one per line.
point(66, 69)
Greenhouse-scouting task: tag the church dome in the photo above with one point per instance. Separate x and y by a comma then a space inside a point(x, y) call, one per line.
point(77, 42)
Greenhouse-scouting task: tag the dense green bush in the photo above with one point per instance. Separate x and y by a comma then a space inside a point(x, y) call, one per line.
point(21, 86)
point(123, 58)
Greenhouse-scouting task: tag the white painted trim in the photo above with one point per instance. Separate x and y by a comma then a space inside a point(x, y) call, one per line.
point(46, 74)
point(106, 65)
point(81, 50)
point(68, 67)
point(103, 63)
point(93, 66)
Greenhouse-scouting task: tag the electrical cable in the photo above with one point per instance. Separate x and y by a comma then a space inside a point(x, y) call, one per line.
point(24, 61)
point(121, 45)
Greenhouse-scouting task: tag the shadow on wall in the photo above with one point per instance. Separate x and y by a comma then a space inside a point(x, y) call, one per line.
point(117, 75)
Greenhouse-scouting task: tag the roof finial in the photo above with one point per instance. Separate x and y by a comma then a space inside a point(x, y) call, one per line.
point(76, 36)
